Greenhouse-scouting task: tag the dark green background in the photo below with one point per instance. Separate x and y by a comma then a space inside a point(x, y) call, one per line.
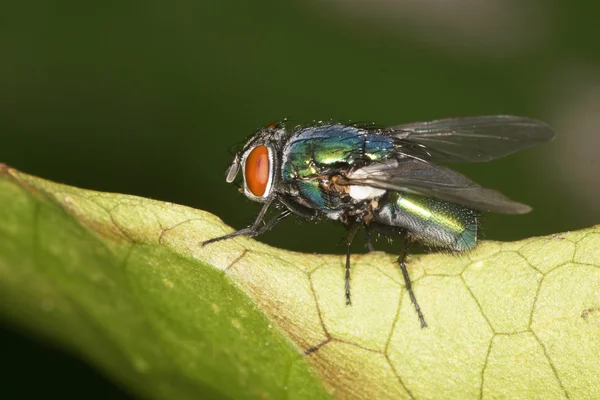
point(147, 97)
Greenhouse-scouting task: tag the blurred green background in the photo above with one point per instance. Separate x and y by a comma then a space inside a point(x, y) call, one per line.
point(147, 98)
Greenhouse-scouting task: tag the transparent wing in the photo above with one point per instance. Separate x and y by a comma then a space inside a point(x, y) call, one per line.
point(470, 139)
point(416, 176)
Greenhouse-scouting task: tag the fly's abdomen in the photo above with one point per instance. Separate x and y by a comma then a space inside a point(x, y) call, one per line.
point(434, 222)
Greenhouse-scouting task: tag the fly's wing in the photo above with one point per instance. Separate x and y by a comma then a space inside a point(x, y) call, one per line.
point(419, 177)
point(469, 139)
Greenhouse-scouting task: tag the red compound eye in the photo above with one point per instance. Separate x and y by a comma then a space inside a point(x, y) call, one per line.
point(257, 170)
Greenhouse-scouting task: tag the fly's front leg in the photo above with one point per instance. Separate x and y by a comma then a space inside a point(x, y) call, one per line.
point(267, 227)
point(253, 230)
point(402, 262)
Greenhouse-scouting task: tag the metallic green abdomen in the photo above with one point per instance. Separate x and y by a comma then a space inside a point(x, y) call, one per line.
point(434, 222)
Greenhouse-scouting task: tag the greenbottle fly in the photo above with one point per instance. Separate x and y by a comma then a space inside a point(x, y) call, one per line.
point(385, 180)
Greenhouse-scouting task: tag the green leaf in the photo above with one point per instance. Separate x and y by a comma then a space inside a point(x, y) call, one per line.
point(123, 282)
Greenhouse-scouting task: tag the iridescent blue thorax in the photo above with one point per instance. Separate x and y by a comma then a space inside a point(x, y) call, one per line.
point(315, 153)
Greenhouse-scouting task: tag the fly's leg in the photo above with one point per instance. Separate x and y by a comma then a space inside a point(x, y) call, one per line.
point(250, 232)
point(284, 214)
point(254, 229)
point(296, 208)
point(368, 242)
point(402, 262)
point(353, 229)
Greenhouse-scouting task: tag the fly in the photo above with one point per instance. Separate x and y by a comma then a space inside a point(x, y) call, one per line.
point(385, 180)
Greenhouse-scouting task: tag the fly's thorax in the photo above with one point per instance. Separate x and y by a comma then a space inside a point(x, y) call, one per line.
point(315, 154)
point(311, 150)
point(431, 221)
point(360, 192)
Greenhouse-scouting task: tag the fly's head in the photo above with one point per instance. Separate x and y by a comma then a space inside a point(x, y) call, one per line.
point(259, 161)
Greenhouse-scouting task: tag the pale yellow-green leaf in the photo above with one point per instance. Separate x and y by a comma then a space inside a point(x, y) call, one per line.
point(124, 282)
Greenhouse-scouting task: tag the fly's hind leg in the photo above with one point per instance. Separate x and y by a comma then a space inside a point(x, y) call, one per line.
point(402, 263)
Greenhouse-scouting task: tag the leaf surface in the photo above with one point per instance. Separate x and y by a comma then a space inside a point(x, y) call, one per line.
point(124, 282)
